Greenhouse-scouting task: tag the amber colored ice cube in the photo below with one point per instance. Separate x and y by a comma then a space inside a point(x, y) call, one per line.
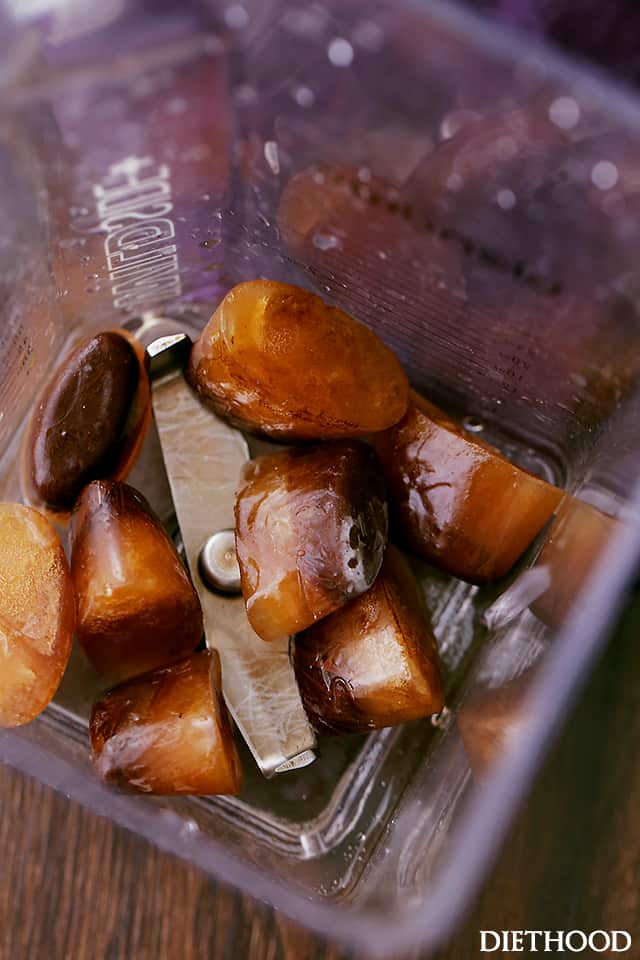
point(37, 613)
point(490, 720)
point(168, 731)
point(457, 501)
point(89, 422)
point(577, 539)
point(279, 361)
point(374, 663)
point(137, 607)
point(311, 528)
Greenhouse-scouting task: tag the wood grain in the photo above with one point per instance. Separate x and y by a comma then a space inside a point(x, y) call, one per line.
point(74, 887)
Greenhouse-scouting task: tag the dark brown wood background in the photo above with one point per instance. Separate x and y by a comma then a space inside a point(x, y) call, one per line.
point(74, 887)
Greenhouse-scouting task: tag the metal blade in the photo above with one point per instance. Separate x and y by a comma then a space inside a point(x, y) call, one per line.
point(204, 458)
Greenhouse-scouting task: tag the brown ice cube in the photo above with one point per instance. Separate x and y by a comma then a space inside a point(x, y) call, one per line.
point(279, 361)
point(37, 613)
point(137, 607)
point(457, 501)
point(373, 663)
point(168, 731)
point(89, 422)
point(311, 528)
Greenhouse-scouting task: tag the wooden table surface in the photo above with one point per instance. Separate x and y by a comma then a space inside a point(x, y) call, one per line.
point(74, 887)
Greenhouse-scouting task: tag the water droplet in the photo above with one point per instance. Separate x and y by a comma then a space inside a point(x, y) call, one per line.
point(142, 87)
point(506, 148)
point(325, 241)
point(93, 276)
point(213, 45)
point(604, 175)
point(473, 424)
point(189, 828)
point(340, 52)
point(236, 17)
point(78, 211)
point(309, 22)
point(197, 153)
point(176, 105)
point(506, 199)
point(364, 175)
point(304, 96)
point(368, 35)
point(441, 719)
point(210, 242)
point(338, 687)
point(245, 95)
point(271, 156)
point(205, 197)
point(564, 112)
point(455, 121)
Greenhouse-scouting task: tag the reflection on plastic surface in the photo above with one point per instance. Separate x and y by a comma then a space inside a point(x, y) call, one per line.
point(490, 720)
point(576, 540)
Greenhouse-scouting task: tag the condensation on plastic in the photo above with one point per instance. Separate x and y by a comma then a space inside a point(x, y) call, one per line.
point(512, 303)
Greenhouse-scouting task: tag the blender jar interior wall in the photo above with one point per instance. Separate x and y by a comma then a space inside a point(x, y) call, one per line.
point(475, 204)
